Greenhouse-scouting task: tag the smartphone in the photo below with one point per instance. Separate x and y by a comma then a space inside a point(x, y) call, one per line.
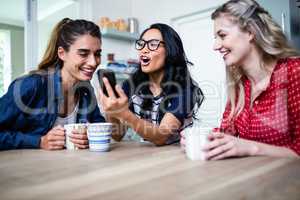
point(110, 75)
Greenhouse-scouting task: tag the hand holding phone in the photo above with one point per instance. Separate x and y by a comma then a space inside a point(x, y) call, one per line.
point(110, 75)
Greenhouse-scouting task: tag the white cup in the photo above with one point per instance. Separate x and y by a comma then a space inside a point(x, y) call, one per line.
point(81, 128)
point(195, 139)
point(99, 135)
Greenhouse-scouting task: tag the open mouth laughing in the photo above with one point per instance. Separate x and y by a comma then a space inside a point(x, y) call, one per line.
point(145, 60)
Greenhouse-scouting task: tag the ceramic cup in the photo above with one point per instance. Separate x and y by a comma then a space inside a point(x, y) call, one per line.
point(81, 128)
point(99, 135)
point(195, 139)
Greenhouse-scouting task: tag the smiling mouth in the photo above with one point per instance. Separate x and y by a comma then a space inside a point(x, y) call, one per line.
point(225, 53)
point(87, 71)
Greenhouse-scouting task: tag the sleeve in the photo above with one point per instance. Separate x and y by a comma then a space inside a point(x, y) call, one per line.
point(97, 116)
point(294, 104)
point(19, 96)
point(180, 105)
point(18, 140)
point(127, 88)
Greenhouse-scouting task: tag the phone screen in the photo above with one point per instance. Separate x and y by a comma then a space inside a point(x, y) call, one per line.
point(110, 75)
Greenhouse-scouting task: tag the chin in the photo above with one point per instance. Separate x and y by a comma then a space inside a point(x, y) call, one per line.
point(87, 79)
point(84, 78)
point(146, 69)
point(230, 63)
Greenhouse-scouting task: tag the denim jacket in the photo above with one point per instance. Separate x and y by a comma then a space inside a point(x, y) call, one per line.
point(30, 107)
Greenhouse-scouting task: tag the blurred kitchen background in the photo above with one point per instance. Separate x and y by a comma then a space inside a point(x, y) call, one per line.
point(25, 27)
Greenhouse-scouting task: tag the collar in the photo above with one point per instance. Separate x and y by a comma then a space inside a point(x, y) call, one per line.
point(57, 81)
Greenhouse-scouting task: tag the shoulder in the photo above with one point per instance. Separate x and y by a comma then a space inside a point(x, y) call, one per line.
point(25, 88)
point(28, 82)
point(288, 73)
point(182, 100)
point(185, 94)
point(292, 64)
point(287, 70)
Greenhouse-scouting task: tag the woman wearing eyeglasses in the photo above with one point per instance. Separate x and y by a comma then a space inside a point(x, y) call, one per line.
point(160, 97)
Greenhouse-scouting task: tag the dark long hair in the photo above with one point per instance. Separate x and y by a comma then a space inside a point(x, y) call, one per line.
point(176, 74)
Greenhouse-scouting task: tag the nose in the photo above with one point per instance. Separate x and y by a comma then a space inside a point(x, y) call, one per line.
point(145, 49)
point(93, 60)
point(217, 45)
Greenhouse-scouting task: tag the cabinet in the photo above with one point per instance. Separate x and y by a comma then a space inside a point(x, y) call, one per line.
point(122, 73)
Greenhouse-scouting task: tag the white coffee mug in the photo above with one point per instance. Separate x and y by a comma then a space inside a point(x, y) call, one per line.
point(195, 139)
point(68, 130)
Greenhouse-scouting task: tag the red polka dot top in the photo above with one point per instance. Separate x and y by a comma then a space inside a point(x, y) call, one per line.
point(275, 114)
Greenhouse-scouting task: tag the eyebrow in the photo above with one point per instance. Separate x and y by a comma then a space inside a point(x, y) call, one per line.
point(88, 50)
point(152, 39)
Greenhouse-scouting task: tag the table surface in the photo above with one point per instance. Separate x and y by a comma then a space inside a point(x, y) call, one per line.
point(143, 171)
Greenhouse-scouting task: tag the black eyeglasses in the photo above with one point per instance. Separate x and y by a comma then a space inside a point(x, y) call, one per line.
point(151, 44)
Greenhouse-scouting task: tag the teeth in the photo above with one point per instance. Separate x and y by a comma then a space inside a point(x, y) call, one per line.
point(145, 60)
point(144, 57)
point(88, 70)
point(224, 53)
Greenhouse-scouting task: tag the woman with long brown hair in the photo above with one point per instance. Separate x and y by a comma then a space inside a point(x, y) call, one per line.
point(37, 105)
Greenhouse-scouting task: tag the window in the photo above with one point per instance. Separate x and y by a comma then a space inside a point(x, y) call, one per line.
point(1, 63)
point(5, 69)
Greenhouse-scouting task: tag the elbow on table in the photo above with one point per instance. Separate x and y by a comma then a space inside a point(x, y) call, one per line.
point(117, 138)
point(159, 142)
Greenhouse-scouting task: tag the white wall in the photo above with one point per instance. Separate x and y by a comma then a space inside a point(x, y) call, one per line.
point(146, 11)
point(46, 25)
point(149, 12)
point(114, 9)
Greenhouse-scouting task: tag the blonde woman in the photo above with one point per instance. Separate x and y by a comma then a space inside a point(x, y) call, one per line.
point(262, 116)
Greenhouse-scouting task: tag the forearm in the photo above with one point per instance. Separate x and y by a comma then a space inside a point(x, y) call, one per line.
point(17, 140)
point(261, 149)
point(149, 131)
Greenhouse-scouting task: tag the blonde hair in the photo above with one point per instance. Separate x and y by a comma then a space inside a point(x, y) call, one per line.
point(268, 38)
point(64, 35)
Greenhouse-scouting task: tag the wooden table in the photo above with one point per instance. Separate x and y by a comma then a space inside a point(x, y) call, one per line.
point(143, 171)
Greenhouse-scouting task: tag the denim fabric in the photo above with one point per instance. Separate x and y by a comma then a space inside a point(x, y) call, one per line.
point(29, 108)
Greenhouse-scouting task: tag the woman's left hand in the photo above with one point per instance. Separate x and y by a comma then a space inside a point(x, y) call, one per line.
point(79, 139)
point(223, 146)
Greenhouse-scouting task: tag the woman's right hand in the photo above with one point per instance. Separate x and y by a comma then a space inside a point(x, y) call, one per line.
point(54, 139)
point(113, 106)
